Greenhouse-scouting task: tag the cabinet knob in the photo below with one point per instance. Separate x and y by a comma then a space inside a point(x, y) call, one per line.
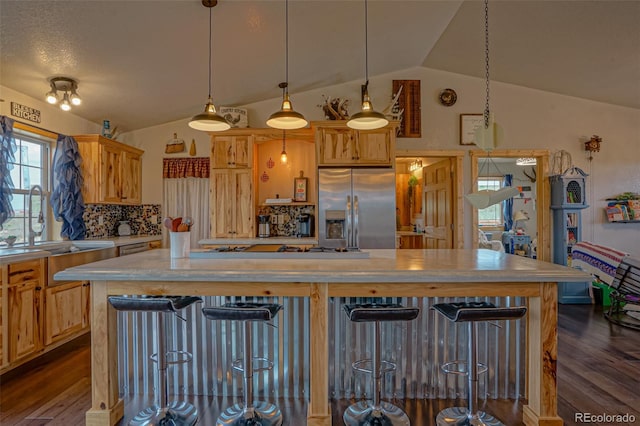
point(38, 288)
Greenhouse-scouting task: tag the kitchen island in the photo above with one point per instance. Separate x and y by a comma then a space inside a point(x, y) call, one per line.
point(386, 273)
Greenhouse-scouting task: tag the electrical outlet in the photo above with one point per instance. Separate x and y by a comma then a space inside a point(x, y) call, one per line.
point(154, 219)
point(101, 220)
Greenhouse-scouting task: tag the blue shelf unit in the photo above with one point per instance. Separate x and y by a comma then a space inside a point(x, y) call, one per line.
point(567, 202)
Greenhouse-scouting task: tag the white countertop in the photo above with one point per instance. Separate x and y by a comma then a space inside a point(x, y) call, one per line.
point(387, 266)
point(271, 240)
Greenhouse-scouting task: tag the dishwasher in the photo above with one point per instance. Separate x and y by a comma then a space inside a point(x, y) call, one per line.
point(133, 248)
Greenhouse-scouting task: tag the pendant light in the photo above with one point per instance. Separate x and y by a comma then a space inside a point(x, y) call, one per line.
point(283, 154)
point(209, 120)
point(286, 118)
point(368, 118)
point(487, 137)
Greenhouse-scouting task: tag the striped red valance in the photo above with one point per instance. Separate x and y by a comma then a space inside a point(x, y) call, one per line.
point(174, 168)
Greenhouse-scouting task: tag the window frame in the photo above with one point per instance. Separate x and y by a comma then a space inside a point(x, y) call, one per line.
point(47, 144)
point(494, 225)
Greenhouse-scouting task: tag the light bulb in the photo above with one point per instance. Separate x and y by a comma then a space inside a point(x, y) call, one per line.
point(75, 99)
point(65, 105)
point(51, 97)
point(283, 157)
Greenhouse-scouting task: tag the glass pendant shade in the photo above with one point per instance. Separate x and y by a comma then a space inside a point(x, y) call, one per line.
point(209, 120)
point(367, 119)
point(286, 118)
point(75, 99)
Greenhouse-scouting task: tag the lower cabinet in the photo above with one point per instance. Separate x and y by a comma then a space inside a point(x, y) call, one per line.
point(66, 310)
point(25, 319)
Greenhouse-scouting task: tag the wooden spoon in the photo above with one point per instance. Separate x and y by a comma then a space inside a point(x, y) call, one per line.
point(175, 223)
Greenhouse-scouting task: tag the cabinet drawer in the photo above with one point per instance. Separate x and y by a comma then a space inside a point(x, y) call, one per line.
point(25, 271)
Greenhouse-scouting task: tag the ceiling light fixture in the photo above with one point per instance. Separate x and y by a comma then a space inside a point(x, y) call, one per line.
point(209, 120)
point(415, 165)
point(526, 161)
point(286, 117)
point(368, 118)
point(487, 137)
point(66, 85)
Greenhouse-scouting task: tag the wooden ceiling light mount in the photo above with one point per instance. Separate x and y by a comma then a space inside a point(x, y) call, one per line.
point(209, 3)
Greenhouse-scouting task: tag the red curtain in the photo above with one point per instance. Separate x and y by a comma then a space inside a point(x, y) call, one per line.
point(174, 168)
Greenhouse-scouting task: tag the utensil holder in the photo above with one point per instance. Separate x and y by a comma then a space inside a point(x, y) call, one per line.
point(180, 244)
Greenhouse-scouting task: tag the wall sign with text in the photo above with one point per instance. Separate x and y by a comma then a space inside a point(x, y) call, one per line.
point(25, 112)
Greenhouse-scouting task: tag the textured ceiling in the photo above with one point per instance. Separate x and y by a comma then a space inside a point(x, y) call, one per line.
point(142, 63)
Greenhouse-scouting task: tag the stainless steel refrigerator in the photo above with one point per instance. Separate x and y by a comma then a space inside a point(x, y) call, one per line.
point(357, 208)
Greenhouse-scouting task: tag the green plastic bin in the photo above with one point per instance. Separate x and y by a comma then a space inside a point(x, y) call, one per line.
point(601, 293)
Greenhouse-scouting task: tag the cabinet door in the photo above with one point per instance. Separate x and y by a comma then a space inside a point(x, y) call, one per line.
point(110, 168)
point(373, 147)
point(3, 358)
point(131, 178)
point(221, 204)
point(63, 307)
point(243, 218)
point(24, 319)
point(336, 147)
point(231, 152)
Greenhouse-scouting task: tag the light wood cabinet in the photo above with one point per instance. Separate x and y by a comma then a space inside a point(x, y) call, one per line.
point(3, 322)
point(66, 310)
point(231, 151)
point(112, 171)
point(339, 145)
point(231, 200)
point(25, 308)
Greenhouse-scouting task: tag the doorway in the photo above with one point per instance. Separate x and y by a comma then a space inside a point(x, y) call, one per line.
point(533, 201)
point(428, 196)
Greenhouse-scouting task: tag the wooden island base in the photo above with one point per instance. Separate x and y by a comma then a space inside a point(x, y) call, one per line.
point(387, 273)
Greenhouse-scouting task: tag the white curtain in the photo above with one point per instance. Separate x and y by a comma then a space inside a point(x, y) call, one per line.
point(187, 197)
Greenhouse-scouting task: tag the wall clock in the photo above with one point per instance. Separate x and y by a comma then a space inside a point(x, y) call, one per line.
point(448, 97)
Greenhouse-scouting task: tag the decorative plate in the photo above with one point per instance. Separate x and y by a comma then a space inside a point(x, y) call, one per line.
point(448, 97)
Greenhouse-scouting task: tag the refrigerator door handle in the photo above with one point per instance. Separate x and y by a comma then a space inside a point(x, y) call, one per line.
point(348, 220)
point(356, 237)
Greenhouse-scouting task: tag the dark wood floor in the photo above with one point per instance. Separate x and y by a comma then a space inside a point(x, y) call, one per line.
point(598, 373)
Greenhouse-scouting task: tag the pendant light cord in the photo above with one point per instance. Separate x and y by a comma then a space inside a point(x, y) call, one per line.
point(366, 43)
point(486, 61)
point(286, 44)
point(210, 14)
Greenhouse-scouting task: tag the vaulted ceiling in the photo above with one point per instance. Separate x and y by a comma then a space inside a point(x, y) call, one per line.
point(143, 63)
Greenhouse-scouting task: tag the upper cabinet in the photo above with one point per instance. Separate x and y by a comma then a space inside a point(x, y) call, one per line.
point(112, 171)
point(339, 145)
point(230, 152)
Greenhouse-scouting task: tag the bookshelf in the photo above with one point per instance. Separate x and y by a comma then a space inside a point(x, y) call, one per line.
point(567, 202)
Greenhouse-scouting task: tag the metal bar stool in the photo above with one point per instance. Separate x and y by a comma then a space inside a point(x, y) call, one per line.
point(472, 313)
point(176, 413)
point(248, 412)
point(376, 412)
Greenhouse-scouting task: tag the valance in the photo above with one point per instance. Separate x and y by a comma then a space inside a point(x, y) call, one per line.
point(175, 168)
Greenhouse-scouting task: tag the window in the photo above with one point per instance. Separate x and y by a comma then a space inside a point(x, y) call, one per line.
point(31, 167)
point(492, 215)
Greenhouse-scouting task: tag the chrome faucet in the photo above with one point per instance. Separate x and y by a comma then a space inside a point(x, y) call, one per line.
point(32, 234)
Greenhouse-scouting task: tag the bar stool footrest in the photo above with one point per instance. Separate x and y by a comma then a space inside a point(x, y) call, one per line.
point(259, 364)
point(174, 357)
point(459, 416)
point(365, 366)
point(450, 367)
point(178, 413)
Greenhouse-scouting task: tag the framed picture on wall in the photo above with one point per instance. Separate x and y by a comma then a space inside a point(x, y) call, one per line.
point(469, 123)
point(300, 188)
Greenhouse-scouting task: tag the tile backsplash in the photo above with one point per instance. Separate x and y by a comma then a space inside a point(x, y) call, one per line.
point(289, 225)
point(102, 220)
